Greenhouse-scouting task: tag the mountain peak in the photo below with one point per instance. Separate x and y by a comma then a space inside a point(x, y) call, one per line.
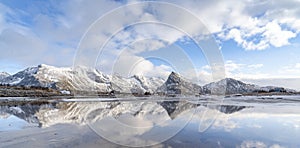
point(177, 85)
point(174, 78)
point(3, 72)
point(174, 73)
point(4, 75)
point(42, 65)
point(50, 67)
point(232, 79)
point(137, 76)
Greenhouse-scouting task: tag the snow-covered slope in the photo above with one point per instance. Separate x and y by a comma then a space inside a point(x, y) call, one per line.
point(175, 84)
point(148, 83)
point(59, 78)
point(22, 77)
point(3, 75)
point(82, 79)
point(232, 86)
point(229, 86)
point(136, 84)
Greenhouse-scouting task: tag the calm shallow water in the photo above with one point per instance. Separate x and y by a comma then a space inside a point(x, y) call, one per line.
point(244, 122)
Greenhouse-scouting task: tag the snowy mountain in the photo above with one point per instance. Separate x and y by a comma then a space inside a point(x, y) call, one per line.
point(135, 84)
point(27, 75)
point(229, 86)
point(232, 86)
point(57, 78)
point(275, 89)
point(3, 75)
point(84, 81)
point(81, 79)
point(175, 84)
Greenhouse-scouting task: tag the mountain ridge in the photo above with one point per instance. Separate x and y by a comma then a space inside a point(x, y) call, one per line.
point(90, 80)
point(81, 78)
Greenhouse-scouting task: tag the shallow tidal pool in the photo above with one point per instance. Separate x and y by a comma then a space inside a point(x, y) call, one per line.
point(152, 122)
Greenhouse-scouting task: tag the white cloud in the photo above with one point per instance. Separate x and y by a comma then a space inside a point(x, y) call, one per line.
point(292, 71)
point(245, 16)
point(231, 66)
point(248, 23)
point(256, 66)
point(233, 70)
point(287, 76)
point(260, 38)
point(50, 36)
point(243, 71)
point(276, 36)
point(128, 64)
point(252, 25)
point(297, 65)
point(144, 37)
point(240, 37)
point(146, 45)
point(250, 144)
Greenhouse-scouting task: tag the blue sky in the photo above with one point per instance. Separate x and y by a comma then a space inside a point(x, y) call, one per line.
point(259, 40)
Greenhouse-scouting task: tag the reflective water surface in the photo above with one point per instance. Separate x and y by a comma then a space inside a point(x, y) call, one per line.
point(153, 122)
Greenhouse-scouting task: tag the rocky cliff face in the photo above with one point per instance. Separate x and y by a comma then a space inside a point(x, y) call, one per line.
point(175, 84)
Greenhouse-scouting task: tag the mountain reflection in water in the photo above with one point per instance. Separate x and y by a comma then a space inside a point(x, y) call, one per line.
point(150, 123)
